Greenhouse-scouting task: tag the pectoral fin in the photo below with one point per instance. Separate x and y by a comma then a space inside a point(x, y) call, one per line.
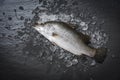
point(85, 38)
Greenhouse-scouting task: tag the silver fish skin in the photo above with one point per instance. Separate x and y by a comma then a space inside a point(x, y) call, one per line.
point(63, 35)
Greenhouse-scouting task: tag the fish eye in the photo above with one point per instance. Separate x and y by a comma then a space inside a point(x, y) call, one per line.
point(42, 24)
point(36, 23)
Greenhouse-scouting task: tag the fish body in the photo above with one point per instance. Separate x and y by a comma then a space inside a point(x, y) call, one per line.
point(63, 35)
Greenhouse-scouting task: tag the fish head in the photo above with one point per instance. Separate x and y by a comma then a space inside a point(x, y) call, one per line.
point(38, 26)
point(45, 29)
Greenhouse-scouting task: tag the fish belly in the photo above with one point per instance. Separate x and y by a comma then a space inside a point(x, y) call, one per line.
point(70, 41)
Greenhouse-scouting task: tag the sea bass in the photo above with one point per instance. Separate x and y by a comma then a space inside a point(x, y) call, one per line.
point(63, 35)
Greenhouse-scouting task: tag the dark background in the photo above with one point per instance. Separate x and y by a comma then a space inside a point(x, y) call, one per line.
point(109, 70)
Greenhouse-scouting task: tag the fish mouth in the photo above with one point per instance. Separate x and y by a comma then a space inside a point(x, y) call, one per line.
point(36, 24)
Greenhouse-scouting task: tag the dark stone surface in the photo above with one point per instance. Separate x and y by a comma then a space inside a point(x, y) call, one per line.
point(20, 59)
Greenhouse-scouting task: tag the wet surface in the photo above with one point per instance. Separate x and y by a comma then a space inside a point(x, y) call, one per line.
point(26, 54)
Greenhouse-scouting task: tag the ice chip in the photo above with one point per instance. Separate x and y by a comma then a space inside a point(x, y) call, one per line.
point(85, 28)
point(53, 48)
point(50, 58)
point(82, 24)
point(68, 63)
point(74, 61)
point(93, 63)
point(61, 55)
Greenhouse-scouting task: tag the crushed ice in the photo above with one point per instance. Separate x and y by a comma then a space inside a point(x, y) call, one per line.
point(98, 37)
point(29, 39)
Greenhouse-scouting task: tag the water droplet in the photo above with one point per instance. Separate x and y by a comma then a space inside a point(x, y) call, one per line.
point(21, 8)
point(3, 13)
point(21, 18)
point(10, 18)
point(1, 19)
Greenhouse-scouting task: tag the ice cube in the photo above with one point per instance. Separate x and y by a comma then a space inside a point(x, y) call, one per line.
point(68, 63)
point(93, 63)
point(82, 23)
point(85, 28)
point(50, 58)
point(74, 61)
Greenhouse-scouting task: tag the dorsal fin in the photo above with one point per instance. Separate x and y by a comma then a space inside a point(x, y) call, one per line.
point(84, 37)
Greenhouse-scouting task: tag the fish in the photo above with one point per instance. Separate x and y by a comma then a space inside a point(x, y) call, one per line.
point(65, 36)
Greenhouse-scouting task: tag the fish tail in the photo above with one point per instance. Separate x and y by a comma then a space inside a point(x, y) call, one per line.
point(100, 55)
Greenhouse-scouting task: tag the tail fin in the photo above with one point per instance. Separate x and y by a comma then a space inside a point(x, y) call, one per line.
point(100, 55)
